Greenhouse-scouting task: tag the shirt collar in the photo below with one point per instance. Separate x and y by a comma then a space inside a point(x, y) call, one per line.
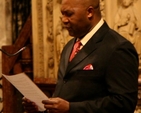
point(92, 32)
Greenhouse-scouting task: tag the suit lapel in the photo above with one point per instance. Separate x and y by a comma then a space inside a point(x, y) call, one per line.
point(65, 57)
point(68, 52)
point(91, 46)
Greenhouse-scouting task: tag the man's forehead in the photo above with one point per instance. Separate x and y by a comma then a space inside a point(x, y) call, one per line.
point(73, 2)
point(68, 4)
point(65, 7)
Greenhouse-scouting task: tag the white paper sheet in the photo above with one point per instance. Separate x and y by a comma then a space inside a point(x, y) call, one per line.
point(28, 88)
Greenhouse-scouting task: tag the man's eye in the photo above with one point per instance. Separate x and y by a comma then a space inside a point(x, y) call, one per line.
point(69, 14)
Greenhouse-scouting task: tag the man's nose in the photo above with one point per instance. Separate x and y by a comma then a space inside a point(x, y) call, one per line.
point(64, 19)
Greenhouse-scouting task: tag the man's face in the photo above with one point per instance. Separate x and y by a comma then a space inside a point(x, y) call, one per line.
point(74, 17)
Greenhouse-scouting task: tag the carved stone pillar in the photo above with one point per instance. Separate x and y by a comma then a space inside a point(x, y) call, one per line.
point(42, 32)
point(49, 38)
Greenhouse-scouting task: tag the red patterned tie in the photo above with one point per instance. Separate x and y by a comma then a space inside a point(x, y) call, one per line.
point(75, 50)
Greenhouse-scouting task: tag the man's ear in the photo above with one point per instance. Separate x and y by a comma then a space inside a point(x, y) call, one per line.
point(90, 11)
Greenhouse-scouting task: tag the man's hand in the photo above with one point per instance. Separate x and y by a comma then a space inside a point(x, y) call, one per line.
point(29, 106)
point(56, 105)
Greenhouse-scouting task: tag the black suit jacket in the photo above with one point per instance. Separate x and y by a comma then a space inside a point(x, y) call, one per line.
point(111, 87)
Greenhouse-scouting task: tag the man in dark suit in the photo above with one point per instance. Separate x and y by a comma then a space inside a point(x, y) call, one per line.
point(103, 76)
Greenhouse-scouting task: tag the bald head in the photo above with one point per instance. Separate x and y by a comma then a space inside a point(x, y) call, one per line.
point(94, 3)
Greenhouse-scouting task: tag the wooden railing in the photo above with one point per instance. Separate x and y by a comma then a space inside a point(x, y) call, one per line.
point(21, 62)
